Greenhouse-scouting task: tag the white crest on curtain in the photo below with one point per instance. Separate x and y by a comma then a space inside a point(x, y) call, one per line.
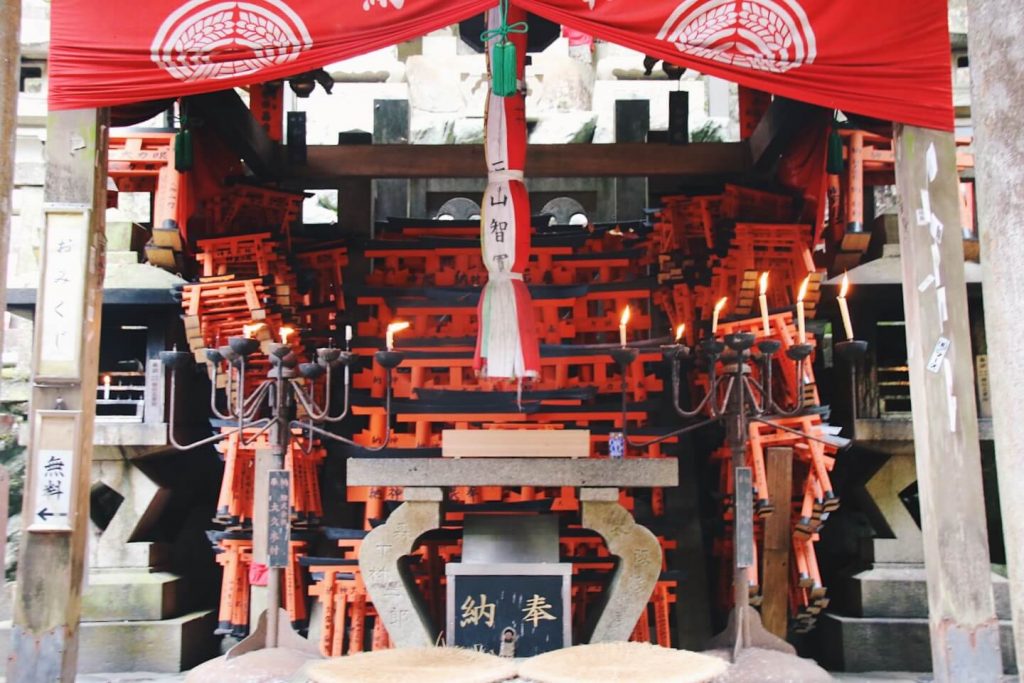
point(200, 40)
point(764, 35)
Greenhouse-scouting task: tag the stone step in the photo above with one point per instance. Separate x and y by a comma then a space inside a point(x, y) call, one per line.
point(166, 646)
point(131, 595)
point(879, 644)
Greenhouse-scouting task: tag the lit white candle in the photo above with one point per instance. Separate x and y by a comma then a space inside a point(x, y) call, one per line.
point(348, 334)
point(249, 330)
point(106, 387)
point(801, 329)
point(843, 308)
point(390, 335)
point(763, 300)
point(623, 321)
point(679, 333)
point(714, 318)
point(285, 333)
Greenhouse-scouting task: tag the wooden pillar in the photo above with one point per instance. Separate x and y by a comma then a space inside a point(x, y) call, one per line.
point(778, 540)
point(962, 619)
point(632, 123)
point(996, 98)
point(47, 604)
point(390, 127)
point(10, 24)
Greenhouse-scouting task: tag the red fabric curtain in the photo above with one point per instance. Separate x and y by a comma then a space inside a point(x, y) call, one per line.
point(119, 51)
point(889, 59)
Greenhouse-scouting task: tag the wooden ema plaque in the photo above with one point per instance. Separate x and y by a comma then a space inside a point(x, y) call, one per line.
point(509, 609)
point(515, 443)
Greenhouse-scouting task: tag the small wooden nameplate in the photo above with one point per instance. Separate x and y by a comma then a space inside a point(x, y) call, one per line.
point(526, 443)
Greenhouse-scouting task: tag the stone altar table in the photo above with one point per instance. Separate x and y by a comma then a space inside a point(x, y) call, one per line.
point(424, 479)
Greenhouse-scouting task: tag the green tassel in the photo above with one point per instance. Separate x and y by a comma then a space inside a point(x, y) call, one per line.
point(503, 69)
point(183, 155)
point(834, 162)
point(503, 56)
point(834, 165)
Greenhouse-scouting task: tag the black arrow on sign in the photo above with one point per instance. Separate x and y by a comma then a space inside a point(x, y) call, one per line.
point(44, 514)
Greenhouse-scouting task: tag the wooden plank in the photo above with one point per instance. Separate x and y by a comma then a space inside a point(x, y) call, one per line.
point(498, 443)
point(964, 629)
point(641, 472)
point(328, 165)
point(777, 541)
point(47, 607)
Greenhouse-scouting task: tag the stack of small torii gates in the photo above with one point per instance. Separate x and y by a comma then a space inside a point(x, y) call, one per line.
point(253, 282)
point(428, 273)
point(713, 246)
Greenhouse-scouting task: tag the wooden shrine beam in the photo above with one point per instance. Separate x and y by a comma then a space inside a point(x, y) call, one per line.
point(961, 609)
point(783, 120)
point(55, 512)
point(327, 165)
point(10, 23)
point(997, 67)
point(225, 111)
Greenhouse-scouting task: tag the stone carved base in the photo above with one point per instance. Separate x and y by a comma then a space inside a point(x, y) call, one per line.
point(405, 617)
point(392, 592)
point(639, 565)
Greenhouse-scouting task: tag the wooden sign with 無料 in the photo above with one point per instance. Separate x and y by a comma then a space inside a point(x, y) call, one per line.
point(515, 443)
point(53, 470)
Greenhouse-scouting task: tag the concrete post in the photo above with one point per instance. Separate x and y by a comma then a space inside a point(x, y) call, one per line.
point(997, 71)
point(10, 23)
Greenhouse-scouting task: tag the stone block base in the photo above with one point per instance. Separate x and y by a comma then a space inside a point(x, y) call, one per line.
point(887, 644)
point(897, 591)
point(130, 596)
point(166, 646)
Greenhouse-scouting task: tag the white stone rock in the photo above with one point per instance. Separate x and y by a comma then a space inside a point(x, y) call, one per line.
point(556, 128)
point(468, 131)
point(565, 85)
point(434, 85)
point(428, 128)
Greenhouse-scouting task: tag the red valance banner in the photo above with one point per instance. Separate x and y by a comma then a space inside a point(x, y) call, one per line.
point(120, 51)
point(889, 59)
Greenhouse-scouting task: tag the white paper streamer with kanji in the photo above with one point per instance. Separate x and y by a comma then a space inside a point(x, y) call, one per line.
point(507, 340)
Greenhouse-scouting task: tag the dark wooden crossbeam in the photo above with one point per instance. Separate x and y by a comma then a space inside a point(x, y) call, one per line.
point(227, 114)
point(328, 165)
point(784, 120)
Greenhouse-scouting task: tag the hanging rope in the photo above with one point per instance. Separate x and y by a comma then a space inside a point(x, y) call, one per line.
point(503, 55)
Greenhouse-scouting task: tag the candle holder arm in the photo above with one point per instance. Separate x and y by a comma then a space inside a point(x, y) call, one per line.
point(213, 395)
point(264, 426)
point(171, 422)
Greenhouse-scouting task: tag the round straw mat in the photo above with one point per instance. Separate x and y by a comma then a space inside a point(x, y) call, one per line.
point(621, 663)
point(414, 665)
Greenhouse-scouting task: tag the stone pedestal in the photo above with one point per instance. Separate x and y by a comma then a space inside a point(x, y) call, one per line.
point(878, 620)
point(397, 600)
point(133, 609)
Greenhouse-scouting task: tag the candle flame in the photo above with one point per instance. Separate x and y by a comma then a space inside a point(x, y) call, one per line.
point(763, 280)
point(679, 331)
point(106, 380)
point(721, 304)
point(285, 333)
point(398, 327)
point(845, 288)
point(249, 330)
point(803, 288)
point(625, 316)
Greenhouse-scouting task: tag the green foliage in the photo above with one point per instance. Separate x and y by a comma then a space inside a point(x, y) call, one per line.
point(709, 132)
